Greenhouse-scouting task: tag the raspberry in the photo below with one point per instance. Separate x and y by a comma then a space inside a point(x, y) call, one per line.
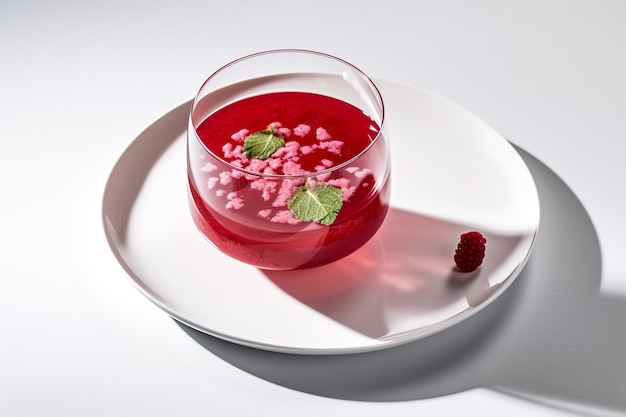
point(470, 252)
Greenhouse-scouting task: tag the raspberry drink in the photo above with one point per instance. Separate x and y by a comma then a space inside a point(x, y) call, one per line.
point(286, 179)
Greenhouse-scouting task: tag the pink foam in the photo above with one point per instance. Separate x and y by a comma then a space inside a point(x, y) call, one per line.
point(234, 201)
point(344, 184)
point(236, 174)
point(286, 190)
point(228, 150)
point(293, 168)
point(225, 178)
point(265, 213)
point(285, 216)
point(284, 132)
point(240, 136)
point(257, 165)
point(279, 153)
point(269, 189)
point(324, 177)
point(302, 130)
point(322, 134)
point(362, 173)
point(208, 167)
point(258, 184)
point(239, 155)
point(266, 186)
point(333, 146)
point(292, 147)
point(212, 181)
point(275, 163)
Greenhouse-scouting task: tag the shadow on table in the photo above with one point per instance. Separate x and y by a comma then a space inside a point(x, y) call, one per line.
point(549, 338)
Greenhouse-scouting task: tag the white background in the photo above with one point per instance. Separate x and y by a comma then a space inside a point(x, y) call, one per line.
point(80, 80)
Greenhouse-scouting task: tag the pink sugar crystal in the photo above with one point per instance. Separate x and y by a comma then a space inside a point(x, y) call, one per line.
point(208, 167)
point(322, 134)
point(286, 190)
point(236, 174)
point(362, 173)
point(267, 187)
point(257, 165)
point(284, 132)
point(292, 145)
point(275, 163)
point(333, 146)
point(339, 182)
point(288, 152)
point(265, 213)
point(234, 201)
point(285, 216)
point(302, 130)
point(293, 168)
point(324, 177)
point(348, 192)
point(324, 164)
point(279, 153)
point(238, 154)
point(344, 184)
point(228, 150)
point(212, 181)
point(225, 178)
point(240, 136)
point(257, 184)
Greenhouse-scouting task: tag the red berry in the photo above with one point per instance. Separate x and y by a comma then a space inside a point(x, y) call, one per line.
point(470, 252)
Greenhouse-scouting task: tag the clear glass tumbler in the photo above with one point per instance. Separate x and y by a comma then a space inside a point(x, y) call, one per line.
point(288, 165)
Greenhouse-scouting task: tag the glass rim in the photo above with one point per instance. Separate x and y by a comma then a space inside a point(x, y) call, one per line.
point(306, 174)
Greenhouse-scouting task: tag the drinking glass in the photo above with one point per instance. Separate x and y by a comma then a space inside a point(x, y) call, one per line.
point(287, 162)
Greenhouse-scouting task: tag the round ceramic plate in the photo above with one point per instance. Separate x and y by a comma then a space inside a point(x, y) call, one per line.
point(451, 173)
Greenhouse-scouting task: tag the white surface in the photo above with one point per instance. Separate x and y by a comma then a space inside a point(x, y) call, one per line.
point(80, 81)
point(395, 289)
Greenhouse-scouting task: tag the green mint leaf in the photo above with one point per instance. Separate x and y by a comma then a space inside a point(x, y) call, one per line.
point(262, 144)
point(320, 204)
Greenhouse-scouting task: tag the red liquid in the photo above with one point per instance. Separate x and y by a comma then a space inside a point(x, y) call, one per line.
point(237, 228)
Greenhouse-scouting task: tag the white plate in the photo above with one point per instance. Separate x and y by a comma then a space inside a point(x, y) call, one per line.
point(451, 173)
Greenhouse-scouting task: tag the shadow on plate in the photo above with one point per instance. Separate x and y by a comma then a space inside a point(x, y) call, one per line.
point(400, 281)
point(550, 337)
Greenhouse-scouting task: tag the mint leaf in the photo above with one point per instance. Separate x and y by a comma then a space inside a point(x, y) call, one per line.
point(262, 144)
point(320, 204)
